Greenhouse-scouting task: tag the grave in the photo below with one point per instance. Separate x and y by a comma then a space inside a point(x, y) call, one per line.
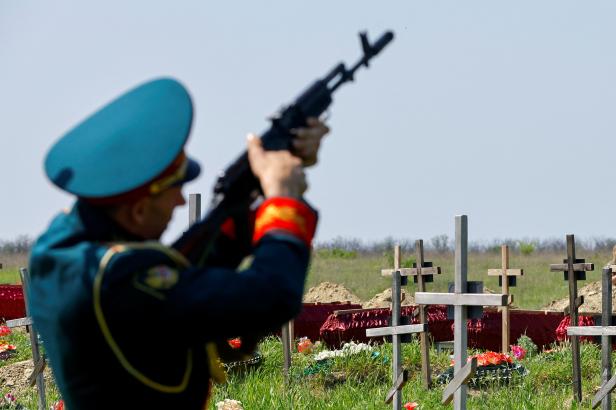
point(506, 278)
point(396, 330)
point(422, 272)
point(462, 301)
point(39, 360)
point(574, 269)
point(606, 330)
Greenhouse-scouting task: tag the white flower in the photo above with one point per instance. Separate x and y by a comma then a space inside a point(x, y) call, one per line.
point(228, 404)
point(347, 350)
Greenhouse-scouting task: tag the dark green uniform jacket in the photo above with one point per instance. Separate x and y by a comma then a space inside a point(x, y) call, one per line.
point(125, 323)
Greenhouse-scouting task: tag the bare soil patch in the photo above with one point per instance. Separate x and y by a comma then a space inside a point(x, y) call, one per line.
point(14, 377)
point(592, 299)
point(327, 292)
point(383, 300)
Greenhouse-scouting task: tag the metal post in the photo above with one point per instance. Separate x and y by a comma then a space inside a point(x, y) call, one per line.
point(395, 321)
point(460, 312)
point(573, 312)
point(505, 291)
point(36, 355)
point(606, 345)
point(194, 208)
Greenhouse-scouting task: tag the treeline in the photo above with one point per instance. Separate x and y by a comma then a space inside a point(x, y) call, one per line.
point(443, 244)
point(21, 244)
point(439, 243)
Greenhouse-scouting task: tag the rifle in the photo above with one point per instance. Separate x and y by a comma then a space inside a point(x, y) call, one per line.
point(237, 187)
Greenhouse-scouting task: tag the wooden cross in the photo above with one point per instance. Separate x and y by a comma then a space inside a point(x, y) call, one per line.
point(461, 301)
point(396, 330)
point(422, 272)
point(39, 361)
point(574, 270)
point(506, 278)
point(606, 330)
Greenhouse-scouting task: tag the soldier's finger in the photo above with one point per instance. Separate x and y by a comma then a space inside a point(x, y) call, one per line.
point(255, 150)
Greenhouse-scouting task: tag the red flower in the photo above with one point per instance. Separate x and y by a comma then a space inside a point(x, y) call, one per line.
point(411, 406)
point(518, 352)
point(235, 343)
point(487, 358)
point(59, 405)
point(5, 330)
point(305, 345)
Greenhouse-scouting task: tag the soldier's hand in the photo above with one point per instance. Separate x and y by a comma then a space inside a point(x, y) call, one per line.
point(308, 140)
point(279, 172)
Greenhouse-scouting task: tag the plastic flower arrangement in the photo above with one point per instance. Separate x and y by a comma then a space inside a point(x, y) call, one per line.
point(491, 366)
point(4, 346)
point(235, 343)
point(518, 352)
point(305, 346)
point(229, 404)
point(59, 405)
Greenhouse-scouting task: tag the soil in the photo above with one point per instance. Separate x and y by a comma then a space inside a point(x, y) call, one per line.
point(14, 377)
point(327, 292)
point(592, 299)
point(383, 300)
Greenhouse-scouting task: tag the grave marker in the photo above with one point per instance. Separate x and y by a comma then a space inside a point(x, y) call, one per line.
point(461, 301)
point(422, 273)
point(506, 278)
point(36, 377)
point(606, 330)
point(396, 330)
point(574, 269)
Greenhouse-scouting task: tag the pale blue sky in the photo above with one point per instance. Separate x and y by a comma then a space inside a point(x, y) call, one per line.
point(504, 111)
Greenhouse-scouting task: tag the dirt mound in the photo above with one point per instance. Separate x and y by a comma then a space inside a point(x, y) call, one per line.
point(14, 377)
point(383, 299)
point(327, 292)
point(592, 299)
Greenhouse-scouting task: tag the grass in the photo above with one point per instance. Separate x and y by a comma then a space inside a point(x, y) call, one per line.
point(538, 287)
point(362, 381)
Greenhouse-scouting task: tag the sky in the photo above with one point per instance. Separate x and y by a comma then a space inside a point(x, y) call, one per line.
point(503, 111)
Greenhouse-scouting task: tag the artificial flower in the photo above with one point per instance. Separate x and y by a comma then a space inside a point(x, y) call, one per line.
point(305, 346)
point(489, 358)
point(518, 352)
point(4, 346)
point(235, 343)
point(229, 404)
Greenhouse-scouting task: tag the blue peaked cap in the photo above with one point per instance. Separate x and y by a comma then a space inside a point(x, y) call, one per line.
point(127, 144)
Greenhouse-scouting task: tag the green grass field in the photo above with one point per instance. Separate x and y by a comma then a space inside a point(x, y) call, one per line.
point(538, 287)
point(361, 382)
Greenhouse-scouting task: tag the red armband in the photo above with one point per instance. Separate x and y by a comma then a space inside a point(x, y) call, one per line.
point(288, 215)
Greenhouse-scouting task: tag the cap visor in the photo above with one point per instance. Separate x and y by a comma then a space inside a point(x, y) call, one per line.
point(193, 169)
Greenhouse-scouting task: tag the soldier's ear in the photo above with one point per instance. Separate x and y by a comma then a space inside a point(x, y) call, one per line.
point(139, 211)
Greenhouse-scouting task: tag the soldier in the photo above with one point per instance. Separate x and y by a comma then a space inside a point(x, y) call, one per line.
point(128, 322)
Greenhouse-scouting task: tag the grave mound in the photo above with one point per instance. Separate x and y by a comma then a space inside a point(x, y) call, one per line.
point(383, 300)
point(592, 300)
point(327, 292)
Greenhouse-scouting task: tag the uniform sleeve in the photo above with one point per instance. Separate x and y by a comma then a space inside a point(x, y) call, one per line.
point(266, 294)
point(215, 302)
point(219, 302)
